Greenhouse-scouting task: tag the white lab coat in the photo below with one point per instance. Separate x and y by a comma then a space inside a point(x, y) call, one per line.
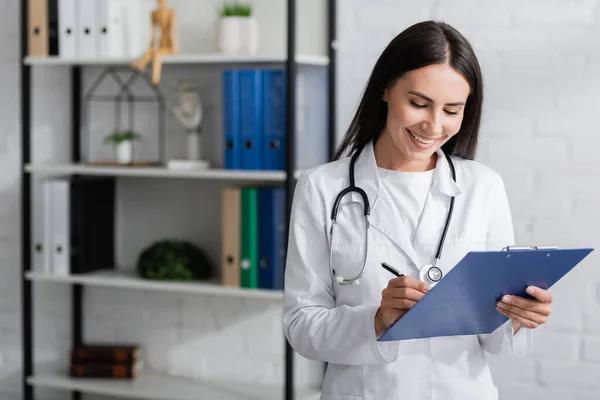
point(335, 324)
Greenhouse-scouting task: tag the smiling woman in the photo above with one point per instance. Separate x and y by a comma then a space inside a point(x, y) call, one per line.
point(408, 195)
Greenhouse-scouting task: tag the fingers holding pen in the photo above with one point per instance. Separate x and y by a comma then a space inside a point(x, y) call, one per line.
point(403, 292)
point(392, 292)
point(408, 282)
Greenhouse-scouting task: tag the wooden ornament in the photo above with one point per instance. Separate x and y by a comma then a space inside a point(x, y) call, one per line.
point(164, 28)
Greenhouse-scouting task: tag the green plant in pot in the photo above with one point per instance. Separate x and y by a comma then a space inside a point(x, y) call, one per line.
point(237, 29)
point(174, 260)
point(235, 9)
point(122, 142)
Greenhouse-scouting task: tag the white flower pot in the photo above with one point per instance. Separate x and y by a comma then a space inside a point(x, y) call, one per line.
point(229, 35)
point(249, 36)
point(124, 151)
point(237, 35)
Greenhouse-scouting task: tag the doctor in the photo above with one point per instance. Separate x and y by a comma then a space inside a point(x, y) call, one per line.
point(418, 203)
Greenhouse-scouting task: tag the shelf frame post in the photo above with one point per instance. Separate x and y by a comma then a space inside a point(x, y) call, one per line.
point(290, 163)
point(331, 75)
point(26, 240)
point(76, 289)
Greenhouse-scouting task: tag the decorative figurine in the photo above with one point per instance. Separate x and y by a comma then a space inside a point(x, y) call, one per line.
point(163, 21)
point(189, 114)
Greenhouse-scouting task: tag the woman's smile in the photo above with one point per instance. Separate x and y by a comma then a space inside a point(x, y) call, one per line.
point(420, 141)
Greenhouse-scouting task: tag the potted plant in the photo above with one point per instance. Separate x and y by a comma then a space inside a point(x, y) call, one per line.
point(122, 142)
point(237, 29)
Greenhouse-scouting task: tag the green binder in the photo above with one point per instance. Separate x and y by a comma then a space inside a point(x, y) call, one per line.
point(249, 239)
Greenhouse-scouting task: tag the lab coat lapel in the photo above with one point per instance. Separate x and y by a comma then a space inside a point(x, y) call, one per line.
point(435, 211)
point(381, 218)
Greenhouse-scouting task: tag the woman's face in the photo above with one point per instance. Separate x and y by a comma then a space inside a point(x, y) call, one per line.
point(425, 109)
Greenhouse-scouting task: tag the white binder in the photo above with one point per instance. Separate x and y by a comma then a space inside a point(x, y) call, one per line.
point(139, 26)
point(67, 28)
point(41, 251)
point(61, 232)
point(87, 34)
point(112, 20)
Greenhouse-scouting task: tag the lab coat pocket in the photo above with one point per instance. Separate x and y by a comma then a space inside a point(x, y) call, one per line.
point(343, 382)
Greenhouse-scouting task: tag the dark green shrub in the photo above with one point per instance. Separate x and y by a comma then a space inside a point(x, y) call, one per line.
point(174, 260)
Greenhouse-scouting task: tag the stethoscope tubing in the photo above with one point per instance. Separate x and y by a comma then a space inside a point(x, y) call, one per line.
point(366, 212)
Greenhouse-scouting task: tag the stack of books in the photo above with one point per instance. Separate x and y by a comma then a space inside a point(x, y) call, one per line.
point(103, 360)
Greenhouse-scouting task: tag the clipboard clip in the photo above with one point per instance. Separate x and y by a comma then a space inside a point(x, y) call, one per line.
point(509, 248)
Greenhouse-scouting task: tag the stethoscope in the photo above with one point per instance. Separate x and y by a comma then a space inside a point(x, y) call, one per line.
point(430, 273)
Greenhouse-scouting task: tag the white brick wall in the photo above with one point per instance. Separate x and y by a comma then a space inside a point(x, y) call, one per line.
point(540, 65)
point(540, 62)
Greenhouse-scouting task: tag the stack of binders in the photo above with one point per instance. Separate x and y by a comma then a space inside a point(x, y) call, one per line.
point(61, 245)
point(253, 237)
point(88, 28)
point(101, 360)
point(253, 217)
point(254, 110)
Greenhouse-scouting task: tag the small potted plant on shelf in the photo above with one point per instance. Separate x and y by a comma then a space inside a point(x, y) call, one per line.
point(122, 142)
point(237, 29)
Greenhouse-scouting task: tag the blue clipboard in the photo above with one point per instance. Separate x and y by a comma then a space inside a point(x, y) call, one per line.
point(464, 301)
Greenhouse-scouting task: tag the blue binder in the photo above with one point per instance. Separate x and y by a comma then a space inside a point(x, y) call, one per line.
point(274, 102)
point(251, 119)
point(271, 237)
point(231, 120)
point(464, 301)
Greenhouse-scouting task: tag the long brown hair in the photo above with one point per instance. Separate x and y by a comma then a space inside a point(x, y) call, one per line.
point(421, 44)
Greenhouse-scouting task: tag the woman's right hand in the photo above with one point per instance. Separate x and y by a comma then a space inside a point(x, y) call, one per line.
point(398, 297)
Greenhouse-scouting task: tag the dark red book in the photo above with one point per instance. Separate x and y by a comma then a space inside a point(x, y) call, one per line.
point(102, 353)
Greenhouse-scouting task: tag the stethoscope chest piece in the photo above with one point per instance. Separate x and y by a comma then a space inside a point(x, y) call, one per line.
point(430, 274)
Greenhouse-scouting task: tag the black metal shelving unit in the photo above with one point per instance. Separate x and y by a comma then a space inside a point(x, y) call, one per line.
point(77, 290)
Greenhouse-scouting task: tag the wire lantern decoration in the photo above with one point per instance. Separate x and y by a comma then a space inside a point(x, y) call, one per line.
point(126, 94)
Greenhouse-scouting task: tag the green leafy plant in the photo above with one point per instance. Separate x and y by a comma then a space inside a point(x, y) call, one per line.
point(236, 9)
point(173, 260)
point(117, 137)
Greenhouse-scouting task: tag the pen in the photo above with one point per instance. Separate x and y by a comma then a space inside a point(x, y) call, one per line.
point(391, 269)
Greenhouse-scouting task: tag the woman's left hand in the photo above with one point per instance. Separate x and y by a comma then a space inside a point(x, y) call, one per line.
point(529, 313)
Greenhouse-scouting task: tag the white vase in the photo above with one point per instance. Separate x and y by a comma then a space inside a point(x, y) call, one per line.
point(193, 146)
point(229, 35)
point(237, 35)
point(249, 36)
point(124, 151)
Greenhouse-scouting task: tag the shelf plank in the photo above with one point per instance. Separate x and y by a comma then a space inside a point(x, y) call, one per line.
point(302, 59)
point(126, 278)
point(157, 172)
point(153, 386)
